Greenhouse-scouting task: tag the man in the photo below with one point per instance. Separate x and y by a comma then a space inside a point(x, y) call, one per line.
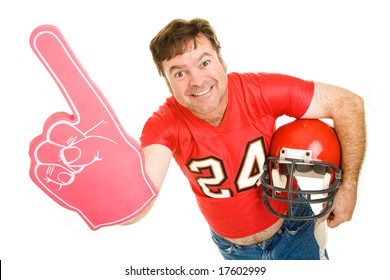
point(218, 127)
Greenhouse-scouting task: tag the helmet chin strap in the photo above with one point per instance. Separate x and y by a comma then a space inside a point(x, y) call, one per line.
point(321, 235)
point(320, 229)
point(278, 180)
point(326, 181)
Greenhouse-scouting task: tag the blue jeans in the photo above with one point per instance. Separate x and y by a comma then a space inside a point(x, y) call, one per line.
point(294, 241)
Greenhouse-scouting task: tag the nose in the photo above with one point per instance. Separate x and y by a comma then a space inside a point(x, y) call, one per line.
point(196, 78)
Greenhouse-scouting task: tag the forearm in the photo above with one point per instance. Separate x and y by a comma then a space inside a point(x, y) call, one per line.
point(346, 109)
point(349, 123)
point(157, 159)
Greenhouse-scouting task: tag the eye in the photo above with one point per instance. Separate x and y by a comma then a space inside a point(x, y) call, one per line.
point(179, 74)
point(206, 63)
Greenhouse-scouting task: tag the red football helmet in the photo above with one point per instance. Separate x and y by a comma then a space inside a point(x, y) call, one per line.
point(303, 166)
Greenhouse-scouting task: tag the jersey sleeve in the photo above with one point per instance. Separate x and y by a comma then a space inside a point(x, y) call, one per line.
point(160, 128)
point(285, 95)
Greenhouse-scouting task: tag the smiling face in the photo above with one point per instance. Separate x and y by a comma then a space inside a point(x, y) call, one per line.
point(197, 79)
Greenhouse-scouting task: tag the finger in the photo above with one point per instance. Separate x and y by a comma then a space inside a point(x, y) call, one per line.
point(83, 96)
point(54, 174)
point(322, 219)
point(333, 220)
point(325, 217)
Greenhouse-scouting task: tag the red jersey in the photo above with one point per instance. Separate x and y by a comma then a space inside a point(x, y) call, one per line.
point(223, 164)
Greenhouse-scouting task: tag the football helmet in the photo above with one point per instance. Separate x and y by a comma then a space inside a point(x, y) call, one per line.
point(303, 166)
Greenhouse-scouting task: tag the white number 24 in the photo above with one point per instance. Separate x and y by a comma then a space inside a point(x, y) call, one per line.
point(247, 175)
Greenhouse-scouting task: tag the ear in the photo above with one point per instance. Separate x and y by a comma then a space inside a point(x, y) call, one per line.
point(222, 62)
point(168, 85)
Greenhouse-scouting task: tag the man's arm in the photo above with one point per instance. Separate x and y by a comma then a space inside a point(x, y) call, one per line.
point(157, 159)
point(346, 109)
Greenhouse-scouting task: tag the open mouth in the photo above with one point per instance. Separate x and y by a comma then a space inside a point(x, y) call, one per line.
point(206, 91)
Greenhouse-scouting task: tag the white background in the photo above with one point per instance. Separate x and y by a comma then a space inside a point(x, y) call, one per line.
point(338, 42)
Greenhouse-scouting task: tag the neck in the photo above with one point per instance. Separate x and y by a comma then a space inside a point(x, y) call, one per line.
point(216, 121)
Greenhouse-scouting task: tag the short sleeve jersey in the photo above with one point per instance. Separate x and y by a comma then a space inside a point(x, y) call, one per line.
point(223, 164)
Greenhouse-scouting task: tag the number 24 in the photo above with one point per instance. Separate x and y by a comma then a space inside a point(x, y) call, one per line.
point(247, 176)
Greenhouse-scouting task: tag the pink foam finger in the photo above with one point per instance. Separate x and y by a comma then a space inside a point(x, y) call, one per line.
point(82, 95)
point(86, 162)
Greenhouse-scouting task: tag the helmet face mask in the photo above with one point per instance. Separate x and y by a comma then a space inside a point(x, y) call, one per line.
point(295, 172)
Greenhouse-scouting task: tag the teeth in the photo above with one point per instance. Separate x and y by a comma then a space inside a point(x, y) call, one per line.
point(201, 93)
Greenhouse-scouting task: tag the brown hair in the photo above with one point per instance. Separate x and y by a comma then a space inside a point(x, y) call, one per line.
point(172, 40)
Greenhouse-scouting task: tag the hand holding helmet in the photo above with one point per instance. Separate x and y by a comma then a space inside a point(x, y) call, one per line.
point(303, 166)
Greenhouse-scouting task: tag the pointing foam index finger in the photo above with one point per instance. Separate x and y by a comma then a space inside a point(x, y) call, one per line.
point(83, 96)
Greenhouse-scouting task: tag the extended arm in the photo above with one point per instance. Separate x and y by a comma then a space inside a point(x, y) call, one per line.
point(346, 109)
point(157, 159)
